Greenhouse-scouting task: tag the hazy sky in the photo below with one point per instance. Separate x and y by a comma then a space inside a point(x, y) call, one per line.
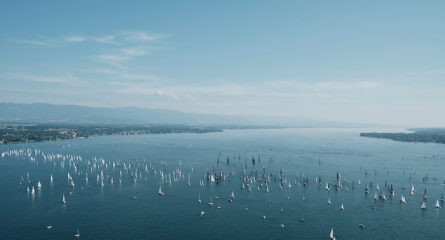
point(352, 61)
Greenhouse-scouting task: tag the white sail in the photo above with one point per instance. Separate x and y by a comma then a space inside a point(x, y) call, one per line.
point(233, 195)
point(329, 201)
point(423, 205)
point(331, 235)
point(402, 199)
point(160, 191)
point(63, 198)
point(342, 207)
point(412, 190)
point(437, 204)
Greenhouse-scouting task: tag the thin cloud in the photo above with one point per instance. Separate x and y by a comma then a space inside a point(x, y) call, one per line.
point(139, 36)
point(43, 41)
point(143, 89)
point(121, 57)
point(75, 39)
point(68, 78)
point(105, 39)
point(110, 59)
point(134, 51)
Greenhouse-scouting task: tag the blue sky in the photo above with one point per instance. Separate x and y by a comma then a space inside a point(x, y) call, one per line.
point(351, 61)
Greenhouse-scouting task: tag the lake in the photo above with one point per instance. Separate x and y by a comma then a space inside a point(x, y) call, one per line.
point(131, 208)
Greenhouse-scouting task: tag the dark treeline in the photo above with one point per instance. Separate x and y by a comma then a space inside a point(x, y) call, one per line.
point(427, 135)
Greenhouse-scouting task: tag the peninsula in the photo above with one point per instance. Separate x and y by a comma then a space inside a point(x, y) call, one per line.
point(425, 135)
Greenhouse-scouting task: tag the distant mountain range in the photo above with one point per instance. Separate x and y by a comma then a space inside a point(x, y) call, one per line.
point(74, 114)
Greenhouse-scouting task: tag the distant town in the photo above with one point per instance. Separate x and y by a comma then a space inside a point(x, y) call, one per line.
point(15, 133)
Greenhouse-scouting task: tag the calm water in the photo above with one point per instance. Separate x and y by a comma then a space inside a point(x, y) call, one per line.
point(110, 212)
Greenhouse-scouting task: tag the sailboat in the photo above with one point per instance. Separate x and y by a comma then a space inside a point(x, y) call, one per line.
point(160, 192)
point(412, 190)
point(382, 196)
point(39, 186)
point(437, 204)
point(51, 178)
point(342, 207)
point(329, 201)
point(331, 235)
point(199, 198)
point(375, 196)
point(327, 186)
point(423, 205)
point(63, 198)
point(231, 197)
point(33, 191)
point(402, 200)
point(77, 235)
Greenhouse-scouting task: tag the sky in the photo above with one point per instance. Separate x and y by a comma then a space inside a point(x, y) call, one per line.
point(348, 61)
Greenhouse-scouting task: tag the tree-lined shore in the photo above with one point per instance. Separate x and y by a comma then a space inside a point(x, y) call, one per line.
point(425, 135)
